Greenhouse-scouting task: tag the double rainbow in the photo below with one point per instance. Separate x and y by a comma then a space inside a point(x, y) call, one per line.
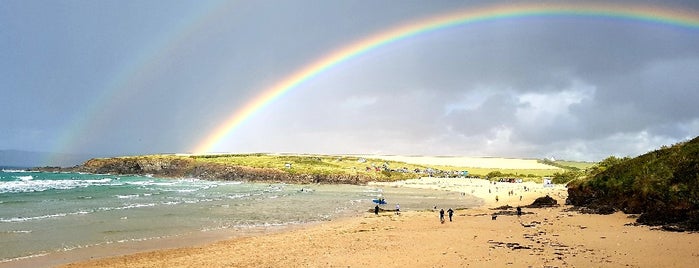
point(642, 13)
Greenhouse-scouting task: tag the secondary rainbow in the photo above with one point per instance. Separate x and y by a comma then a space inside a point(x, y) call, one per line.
point(126, 80)
point(652, 14)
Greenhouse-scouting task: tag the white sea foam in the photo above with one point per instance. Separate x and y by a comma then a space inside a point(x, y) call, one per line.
point(141, 183)
point(80, 212)
point(27, 185)
point(186, 190)
point(16, 171)
point(19, 232)
point(127, 196)
point(23, 219)
point(162, 183)
point(238, 196)
point(41, 217)
point(25, 178)
point(127, 207)
point(24, 257)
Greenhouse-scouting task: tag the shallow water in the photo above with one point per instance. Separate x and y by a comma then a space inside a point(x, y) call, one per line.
point(41, 213)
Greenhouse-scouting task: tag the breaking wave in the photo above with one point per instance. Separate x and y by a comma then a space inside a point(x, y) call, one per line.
point(27, 184)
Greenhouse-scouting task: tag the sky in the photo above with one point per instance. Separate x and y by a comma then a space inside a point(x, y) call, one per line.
point(142, 77)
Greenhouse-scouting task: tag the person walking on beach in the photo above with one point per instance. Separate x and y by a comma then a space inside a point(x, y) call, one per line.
point(451, 213)
point(376, 210)
point(397, 209)
point(441, 215)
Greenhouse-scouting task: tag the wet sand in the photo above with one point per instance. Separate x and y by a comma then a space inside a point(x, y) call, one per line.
point(542, 237)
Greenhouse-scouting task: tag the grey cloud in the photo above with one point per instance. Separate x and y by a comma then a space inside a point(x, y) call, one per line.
point(564, 86)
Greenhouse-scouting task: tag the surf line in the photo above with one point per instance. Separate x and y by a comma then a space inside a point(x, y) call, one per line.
point(642, 13)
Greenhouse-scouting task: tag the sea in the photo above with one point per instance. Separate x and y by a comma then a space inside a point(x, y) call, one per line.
point(44, 213)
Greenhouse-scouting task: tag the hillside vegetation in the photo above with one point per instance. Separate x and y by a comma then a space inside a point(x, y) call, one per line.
point(662, 186)
point(293, 168)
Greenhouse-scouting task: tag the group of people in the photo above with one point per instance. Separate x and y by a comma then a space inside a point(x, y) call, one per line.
point(449, 212)
point(376, 209)
point(441, 214)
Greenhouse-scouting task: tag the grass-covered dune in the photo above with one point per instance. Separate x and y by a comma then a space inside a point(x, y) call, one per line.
point(292, 168)
point(662, 186)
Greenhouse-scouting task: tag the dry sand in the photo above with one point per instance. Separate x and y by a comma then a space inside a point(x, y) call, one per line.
point(543, 237)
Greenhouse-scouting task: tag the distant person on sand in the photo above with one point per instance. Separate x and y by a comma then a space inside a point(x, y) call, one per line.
point(451, 213)
point(496, 198)
point(376, 210)
point(519, 211)
point(397, 209)
point(441, 215)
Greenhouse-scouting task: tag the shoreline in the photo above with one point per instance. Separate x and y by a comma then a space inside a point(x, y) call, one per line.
point(556, 237)
point(117, 249)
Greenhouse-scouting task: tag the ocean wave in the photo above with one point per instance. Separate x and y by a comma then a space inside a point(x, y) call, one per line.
point(25, 178)
point(127, 196)
point(24, 257)
point(23, 219)
point(187, 190)
point(377, 190)
point(140, 183)
point(9, 170)
point(49, 216)
point(80, 212)
point(28, 184)
point(129, 206)
point(17, 232)
point(238, 196)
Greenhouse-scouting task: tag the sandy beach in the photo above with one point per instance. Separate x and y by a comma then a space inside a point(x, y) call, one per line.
point(541, 237)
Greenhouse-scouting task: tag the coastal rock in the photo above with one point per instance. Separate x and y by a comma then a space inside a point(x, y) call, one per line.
point(545, 201)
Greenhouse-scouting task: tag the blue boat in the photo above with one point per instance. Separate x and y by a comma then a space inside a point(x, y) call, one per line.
point(380, 201)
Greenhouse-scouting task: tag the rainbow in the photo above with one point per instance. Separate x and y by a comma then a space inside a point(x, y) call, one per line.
point(145, 61)
point(644, 13)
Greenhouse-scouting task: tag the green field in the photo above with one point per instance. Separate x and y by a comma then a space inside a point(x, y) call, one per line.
point(333, 164)
point(579, 165)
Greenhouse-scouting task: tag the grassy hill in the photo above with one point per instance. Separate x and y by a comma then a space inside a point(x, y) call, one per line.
point(662, 186)
point(367, 165)
point(304, 168)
